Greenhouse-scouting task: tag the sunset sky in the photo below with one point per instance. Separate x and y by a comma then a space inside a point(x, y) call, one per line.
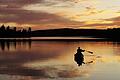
point(50, 14)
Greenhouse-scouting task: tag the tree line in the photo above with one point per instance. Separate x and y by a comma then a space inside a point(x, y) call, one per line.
point(13, 32)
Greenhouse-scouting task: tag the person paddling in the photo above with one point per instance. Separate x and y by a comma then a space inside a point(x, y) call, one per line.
point(80, 50)
point(79, 57)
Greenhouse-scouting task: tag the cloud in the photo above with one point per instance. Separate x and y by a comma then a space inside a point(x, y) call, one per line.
point(18, 3)
point(92, 11)
point(36, 19)
point(21, 3)
point(102, 25)
point(21, 16)
point(115, 19)
point(44, 13)
point(12, 11)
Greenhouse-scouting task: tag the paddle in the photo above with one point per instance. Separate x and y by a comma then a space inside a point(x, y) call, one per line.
point(89, 51)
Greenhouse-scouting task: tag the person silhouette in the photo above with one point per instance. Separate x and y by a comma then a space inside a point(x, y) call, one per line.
point(79, 57)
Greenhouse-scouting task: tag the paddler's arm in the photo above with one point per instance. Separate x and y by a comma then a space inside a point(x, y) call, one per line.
point(82, 50)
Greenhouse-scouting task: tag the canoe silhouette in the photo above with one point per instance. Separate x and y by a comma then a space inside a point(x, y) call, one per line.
point(79, 58)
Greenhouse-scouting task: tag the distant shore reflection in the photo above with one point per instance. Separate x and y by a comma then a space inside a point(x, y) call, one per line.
point(30, 59)
point(8, 45)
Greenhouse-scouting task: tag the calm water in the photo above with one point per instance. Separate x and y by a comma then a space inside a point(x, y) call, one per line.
point(54, 60)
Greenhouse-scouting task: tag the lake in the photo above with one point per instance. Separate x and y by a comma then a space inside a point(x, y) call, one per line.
point(54, 60)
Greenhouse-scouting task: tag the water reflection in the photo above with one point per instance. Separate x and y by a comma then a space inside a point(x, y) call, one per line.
point(57, 71)
point(8, 45)
point(33, 60)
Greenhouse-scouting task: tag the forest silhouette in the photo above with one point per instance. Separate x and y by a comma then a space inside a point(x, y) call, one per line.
point(6, 32)
point(110, 33)
point(106, 34)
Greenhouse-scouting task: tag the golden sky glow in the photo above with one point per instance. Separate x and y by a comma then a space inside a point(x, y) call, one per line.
point(47, 14)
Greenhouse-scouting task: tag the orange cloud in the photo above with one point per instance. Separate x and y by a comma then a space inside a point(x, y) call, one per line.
point(43, 14)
